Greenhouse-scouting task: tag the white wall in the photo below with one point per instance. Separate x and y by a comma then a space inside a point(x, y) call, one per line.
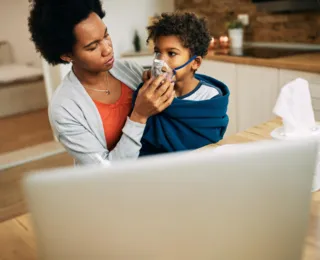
point(14, 28)
point(124, 16)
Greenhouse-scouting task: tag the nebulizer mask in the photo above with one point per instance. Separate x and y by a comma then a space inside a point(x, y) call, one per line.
point(161, 67)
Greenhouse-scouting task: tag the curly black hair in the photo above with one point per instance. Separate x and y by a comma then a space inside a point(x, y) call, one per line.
point(190, 29)
point(51, 24)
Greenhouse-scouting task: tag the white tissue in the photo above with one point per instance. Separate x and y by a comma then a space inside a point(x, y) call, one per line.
point(294, 106)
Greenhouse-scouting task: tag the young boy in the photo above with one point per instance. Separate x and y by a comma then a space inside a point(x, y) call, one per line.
point(197, 116)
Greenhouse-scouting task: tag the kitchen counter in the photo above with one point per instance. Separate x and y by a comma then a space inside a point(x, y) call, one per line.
point(17, 241)
point(303, 62)
point(309, 62)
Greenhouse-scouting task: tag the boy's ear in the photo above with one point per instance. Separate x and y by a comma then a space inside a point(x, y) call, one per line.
point(196, 63)
point(66, 57)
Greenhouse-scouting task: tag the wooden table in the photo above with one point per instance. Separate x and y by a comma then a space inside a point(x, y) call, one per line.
point(17, 240)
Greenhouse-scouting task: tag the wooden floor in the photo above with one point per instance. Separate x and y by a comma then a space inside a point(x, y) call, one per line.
point(24, 130)
point(18, 132)
point(15, 234)
point(12, 202)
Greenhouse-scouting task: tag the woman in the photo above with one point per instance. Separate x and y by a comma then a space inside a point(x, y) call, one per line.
point(90, 111)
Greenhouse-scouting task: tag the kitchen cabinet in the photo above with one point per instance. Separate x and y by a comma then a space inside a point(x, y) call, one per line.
point(256, 94)
point(285, 76)
point(225, 72)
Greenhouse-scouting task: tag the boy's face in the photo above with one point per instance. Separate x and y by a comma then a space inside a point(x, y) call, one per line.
point(170, 49)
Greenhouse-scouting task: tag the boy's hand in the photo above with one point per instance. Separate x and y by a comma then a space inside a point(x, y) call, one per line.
point(146, 75)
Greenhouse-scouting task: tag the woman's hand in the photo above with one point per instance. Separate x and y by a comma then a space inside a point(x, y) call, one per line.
point(153, 97)
point(146, 75)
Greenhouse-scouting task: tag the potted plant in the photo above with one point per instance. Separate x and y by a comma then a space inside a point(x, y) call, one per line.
point(136, 42)
point(235, 31)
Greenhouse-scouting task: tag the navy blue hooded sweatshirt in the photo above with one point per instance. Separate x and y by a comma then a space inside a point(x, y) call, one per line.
point(186, 124)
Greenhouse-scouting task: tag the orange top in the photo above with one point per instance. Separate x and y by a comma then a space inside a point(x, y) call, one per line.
point(114, 116)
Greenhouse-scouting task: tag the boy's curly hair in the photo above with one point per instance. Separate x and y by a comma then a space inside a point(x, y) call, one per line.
point(190, 29)
point(51, 24)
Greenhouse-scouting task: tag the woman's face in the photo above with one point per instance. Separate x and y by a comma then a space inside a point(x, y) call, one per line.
point(93, 50)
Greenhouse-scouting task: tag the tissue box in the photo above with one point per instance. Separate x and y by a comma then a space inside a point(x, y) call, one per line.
point(276, 134)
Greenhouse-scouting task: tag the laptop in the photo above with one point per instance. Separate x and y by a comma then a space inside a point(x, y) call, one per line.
point(241, 202)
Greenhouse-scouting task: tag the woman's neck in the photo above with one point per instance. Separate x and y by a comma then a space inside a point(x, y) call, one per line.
point(88, 78)
point(185, 86)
